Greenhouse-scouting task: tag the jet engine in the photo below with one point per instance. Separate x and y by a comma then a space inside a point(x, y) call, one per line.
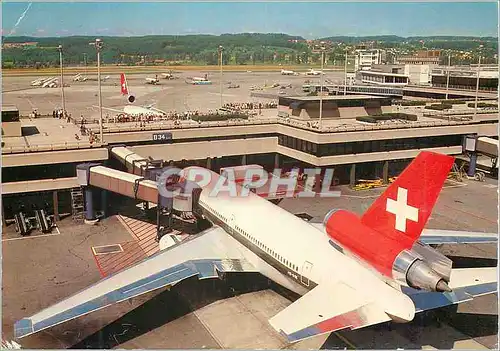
point(392, 256)
point(131, 98)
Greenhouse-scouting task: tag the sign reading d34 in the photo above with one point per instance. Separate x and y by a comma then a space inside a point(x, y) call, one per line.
point(165, 136)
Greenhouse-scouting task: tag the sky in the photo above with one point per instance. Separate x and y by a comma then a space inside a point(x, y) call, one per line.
point(309, 20)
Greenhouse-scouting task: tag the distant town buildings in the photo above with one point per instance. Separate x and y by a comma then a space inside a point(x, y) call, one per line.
point(421, 57)
point(19, 45)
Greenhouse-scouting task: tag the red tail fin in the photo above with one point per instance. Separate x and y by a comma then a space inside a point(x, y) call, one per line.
point(123, 83)
point(406, 205)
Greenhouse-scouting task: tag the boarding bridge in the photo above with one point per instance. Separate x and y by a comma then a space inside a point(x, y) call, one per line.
point(482, 153)
point(94, 176)
point(141, 183)
point(487, 146)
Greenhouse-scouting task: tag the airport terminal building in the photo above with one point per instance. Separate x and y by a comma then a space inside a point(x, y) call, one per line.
point(46, 174)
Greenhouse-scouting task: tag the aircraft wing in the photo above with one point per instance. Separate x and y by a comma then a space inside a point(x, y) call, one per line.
point(438, 236)
point(109, 109)
point(203, 256)
point(331, 307)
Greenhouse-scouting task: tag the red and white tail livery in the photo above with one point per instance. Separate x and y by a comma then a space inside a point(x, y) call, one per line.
point(124, 88)
point(405, 207)
point(123, 84)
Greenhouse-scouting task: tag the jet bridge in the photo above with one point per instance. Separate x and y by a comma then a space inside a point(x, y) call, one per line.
point(134, 163)
point(482, 152)
point(93, 176)
point(487, 146)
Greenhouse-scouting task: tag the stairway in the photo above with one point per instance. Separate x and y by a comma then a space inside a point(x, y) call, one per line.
point(77, 205)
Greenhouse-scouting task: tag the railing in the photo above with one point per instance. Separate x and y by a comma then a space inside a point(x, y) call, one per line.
point(191, 125)
point(50, 147)
point(465, 87)
point(283, 121)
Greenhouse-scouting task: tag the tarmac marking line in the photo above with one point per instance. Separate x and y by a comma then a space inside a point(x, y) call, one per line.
point(216, 339)
point(30, 237)
point(471, 214)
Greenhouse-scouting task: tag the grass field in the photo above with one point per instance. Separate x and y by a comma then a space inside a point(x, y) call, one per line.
point(105, 69)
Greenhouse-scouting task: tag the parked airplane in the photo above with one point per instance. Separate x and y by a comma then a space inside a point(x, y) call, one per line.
point(79, 78)
point(313, 72)
point(41, 81)
point(38, 82)
point(352, 271)
point(167, 76)
point(154, 80)
point(124, 88)
point(199, 80)
point(50, 83)
point(130, 109)
point(94, 79)
point(288, 73)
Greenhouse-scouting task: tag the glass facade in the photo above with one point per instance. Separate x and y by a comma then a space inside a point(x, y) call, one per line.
point(360, 147)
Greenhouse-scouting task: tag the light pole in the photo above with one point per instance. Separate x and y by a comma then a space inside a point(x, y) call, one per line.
point(85, 62)
point(60, 48)
point(321, 85)
point(98, 46)
point(448, 75)
point(345, 74)
point(477, 83)
point(220, 49)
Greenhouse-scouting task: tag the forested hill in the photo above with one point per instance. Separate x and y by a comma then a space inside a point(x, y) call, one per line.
point(245, 48)
point(241, 48)
point(464, 43)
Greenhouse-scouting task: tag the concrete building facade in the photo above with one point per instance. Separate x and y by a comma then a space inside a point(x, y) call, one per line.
point(465, 77)
point(365, 59)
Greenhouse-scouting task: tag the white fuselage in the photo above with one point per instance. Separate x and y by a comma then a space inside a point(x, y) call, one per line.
point(137, 110)
point(285, 248)
point(313, 73)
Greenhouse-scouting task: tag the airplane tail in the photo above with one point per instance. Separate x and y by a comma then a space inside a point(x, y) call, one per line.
point(406, 205)
point(123, 83)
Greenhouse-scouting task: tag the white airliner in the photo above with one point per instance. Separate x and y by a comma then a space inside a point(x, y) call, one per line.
point(154, 80)
point(132, 110)
point(352, 271)
point(288, 73)
point(313, 72)
point(79, 78)
point(51, 83)
point(167, 76)
point(38, 82)
point(200, 79)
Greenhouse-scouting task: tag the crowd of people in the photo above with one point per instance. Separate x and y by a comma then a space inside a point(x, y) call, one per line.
point(142, 120)
point(251, 105)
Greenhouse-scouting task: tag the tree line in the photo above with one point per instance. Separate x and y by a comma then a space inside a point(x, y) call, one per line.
point(245, 48)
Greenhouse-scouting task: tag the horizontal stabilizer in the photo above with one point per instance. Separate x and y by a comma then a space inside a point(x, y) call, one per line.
point(438, 236)
point(466, 284)
point(325, 309)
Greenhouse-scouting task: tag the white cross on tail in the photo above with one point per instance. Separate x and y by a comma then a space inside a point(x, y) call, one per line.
point(402, 210)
